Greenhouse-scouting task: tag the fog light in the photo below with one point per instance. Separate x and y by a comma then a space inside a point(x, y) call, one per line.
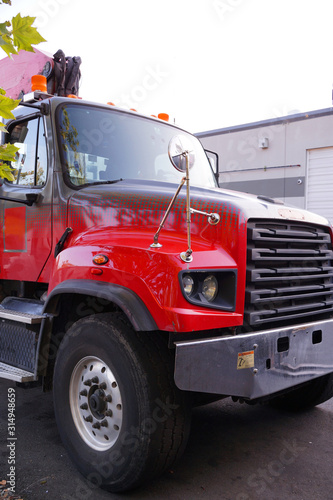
point(209, 288)
point(188, 284)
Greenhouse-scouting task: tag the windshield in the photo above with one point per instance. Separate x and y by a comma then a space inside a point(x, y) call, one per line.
point(100, 145)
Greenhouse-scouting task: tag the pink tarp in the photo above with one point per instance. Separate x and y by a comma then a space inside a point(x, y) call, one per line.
point(16, 73)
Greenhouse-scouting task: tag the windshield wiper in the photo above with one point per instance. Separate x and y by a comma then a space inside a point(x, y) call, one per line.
point(102, 182)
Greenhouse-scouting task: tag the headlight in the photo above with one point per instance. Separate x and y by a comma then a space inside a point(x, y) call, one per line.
point(210, 288)
point(214, 288)
point(188, 284)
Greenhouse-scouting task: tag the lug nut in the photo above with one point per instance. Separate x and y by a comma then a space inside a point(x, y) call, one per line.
point(104, 423)
point(102, 386)
point(88, 418)
point(96, 425)
point(84, 392)
point(108, 398)
point(87, 382)
point(84, 406)
point(108, 413)
point(95, 380)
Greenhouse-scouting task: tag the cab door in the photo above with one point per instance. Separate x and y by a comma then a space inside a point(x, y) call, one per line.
point(25, 203)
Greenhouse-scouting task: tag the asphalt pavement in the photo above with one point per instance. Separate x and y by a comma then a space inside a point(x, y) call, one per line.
point(235, 452)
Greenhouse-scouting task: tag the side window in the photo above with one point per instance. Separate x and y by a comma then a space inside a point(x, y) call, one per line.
point(30, 165)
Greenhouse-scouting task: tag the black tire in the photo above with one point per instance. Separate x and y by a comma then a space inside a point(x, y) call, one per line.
point(306, 396)
point(137, 420)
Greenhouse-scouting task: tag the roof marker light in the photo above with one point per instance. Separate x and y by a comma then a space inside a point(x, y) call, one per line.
point(163, 116)
point(38, 82)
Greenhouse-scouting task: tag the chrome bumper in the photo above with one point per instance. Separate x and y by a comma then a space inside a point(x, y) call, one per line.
point(256, 364)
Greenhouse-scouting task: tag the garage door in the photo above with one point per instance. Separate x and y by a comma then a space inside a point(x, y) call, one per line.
point(319, 192)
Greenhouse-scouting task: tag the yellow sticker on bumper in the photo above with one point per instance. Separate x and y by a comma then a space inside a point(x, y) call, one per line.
point(245, 360)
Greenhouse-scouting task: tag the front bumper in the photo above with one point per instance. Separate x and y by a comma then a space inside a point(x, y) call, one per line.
point(256, 364)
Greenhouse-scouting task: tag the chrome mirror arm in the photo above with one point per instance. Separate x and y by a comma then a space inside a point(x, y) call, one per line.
point(213, 218)
point(187, 256)
point(156, 244)
point(182, 157)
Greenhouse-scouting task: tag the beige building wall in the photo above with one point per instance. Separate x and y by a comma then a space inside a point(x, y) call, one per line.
point(270, 157)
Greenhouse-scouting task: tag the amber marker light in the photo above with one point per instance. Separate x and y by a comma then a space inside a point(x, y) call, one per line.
point(38, 82)
point(96, 270)
point(100, 259)
point(163, 116)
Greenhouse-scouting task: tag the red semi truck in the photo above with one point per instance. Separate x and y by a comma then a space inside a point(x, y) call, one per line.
point(136, 288)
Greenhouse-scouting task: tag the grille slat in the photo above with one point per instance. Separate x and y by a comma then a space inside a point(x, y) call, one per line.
point(301, 237)
point(256, 299)
point(290, 253)
point(289, 272)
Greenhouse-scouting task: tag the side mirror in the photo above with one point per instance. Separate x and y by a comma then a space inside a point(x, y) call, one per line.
point(214, 162)
point(182, 157)
point(181, 151)
point(31, 198)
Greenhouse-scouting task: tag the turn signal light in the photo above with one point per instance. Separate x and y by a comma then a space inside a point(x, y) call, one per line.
point(100, 259)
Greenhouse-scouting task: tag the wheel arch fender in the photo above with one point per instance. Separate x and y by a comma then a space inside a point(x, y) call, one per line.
point(128, 301)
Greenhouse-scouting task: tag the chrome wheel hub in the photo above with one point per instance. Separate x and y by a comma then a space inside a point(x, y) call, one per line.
point(95, 402)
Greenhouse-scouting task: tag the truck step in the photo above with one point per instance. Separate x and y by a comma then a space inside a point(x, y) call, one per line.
point(16, 374)
point(28, 311)
point(18, 339)
point(21, 317)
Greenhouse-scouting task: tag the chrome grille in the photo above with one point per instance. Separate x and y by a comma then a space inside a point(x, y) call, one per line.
point(289, 273)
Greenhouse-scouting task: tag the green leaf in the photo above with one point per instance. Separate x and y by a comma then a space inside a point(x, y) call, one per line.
point(8, 152)
point(8, 2)
point(6, 172)
point(7, 45)
point(3, 28)
point(3, 128)
point(24, 35)
point(6, 106)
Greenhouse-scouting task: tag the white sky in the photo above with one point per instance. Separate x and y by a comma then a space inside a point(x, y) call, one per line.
point(208, 63)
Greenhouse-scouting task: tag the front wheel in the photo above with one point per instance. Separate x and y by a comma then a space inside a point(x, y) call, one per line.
point(118, 410)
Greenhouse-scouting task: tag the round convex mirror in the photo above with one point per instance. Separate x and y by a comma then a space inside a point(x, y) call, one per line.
point(181, 146)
